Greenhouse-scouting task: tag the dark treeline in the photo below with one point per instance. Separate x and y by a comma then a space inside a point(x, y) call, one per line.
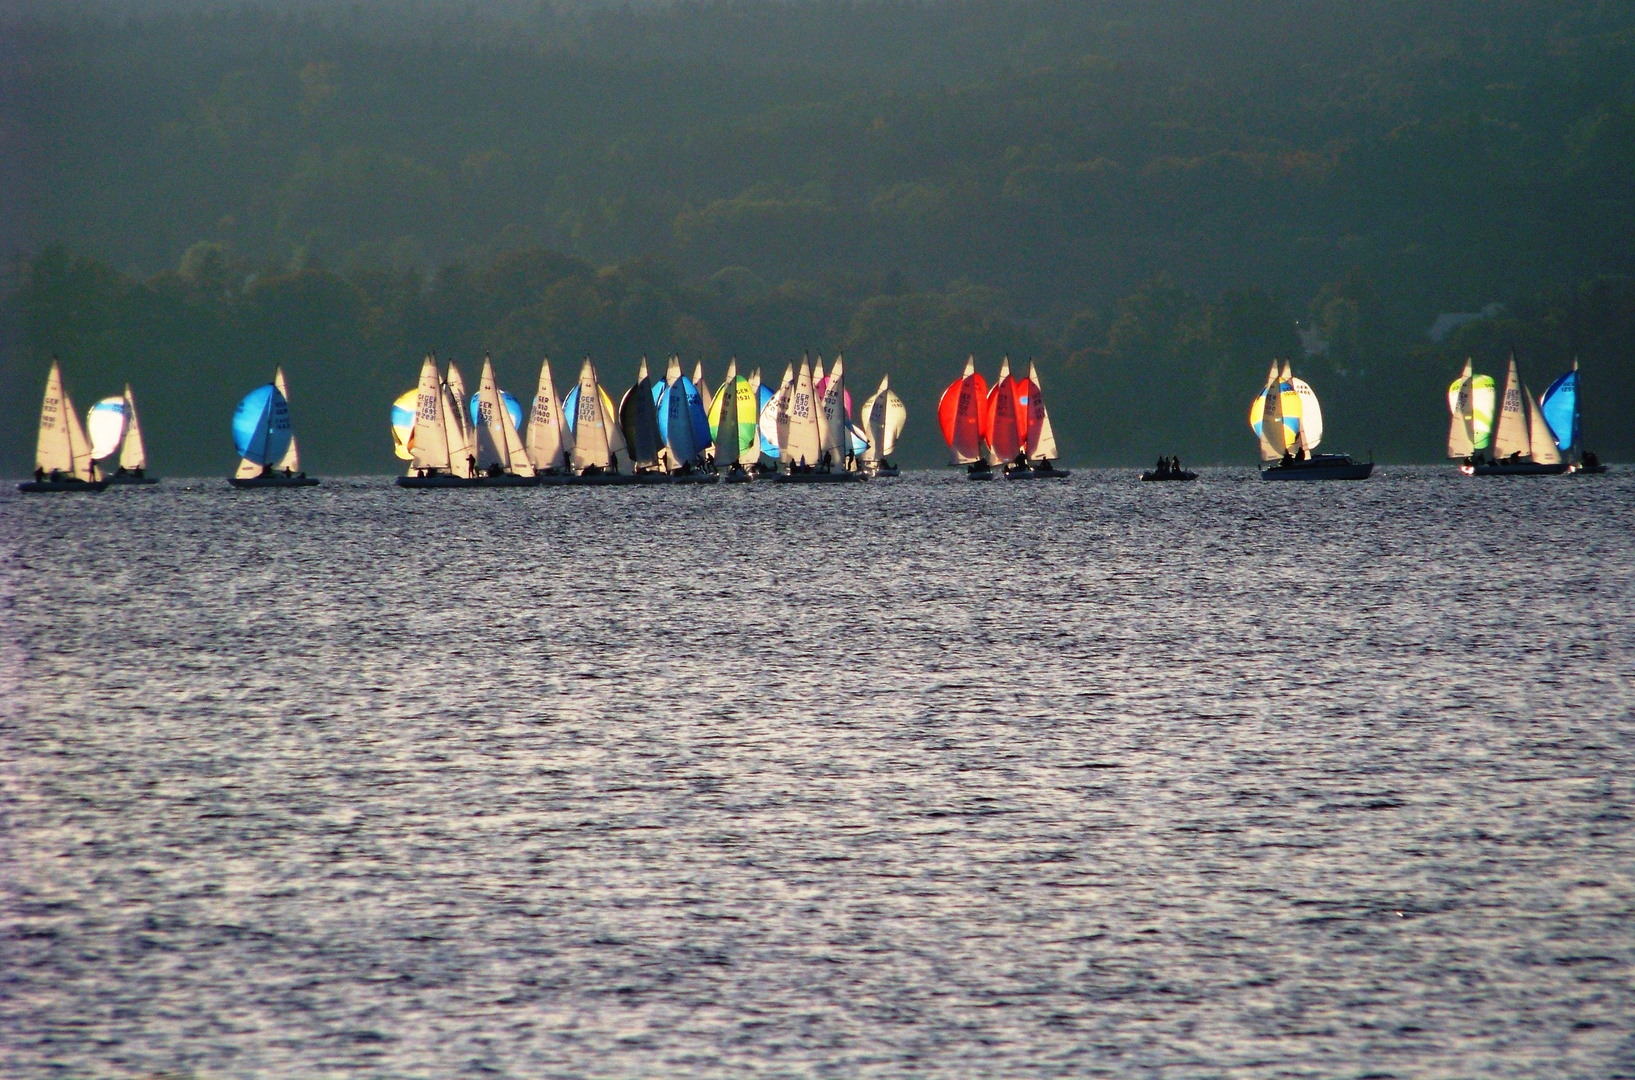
point(1147, 195)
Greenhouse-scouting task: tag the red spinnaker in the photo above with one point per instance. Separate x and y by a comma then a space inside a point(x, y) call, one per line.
point(1008, 417)
point(961, 413)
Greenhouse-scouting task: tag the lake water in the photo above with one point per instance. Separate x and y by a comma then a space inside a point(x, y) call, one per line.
point(917, 778)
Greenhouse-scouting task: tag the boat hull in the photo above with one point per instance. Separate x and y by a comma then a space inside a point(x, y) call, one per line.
point(1519, 468)
point(1587, 470)
point(1152, 477)
point(445, 481)
point(272, 481)
point(1322, 467)
point(820, 478)
point(40, 487)
point(1036, 473)
point(885, 470)
point(132, 481)
point(695, 478)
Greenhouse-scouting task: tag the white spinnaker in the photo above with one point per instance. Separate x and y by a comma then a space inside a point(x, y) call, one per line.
point(774, 420)
point(591, 438)
point(753, 454)
point(804, 443)
point(1311, 415)
point(431, 450)
point(1510, 434)
point(134, 454)
point(1542, 440)
point(1459, 421)
point(292, 457)
point(105, 424)
point(832, 427)
point(545, 444)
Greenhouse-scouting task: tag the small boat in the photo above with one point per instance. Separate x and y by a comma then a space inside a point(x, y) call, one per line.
point(265, 439)
point(598, 454)
point(1288, 422)
point(1038, 434)
point(791, 423)
point(113, 426)
point(547, 439)
point(62, 453)
point(684, 427)
point(883, 418)
point(440, 451)
point(962, 413)
point(1521, 443)
point(502, 459)
point(1165, 474)
point(733, 424)
point(1559, 407)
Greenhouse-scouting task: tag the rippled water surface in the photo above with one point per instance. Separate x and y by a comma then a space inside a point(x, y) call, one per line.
point(918, 778)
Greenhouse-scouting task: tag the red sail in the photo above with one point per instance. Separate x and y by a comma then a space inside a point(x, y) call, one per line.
point(961, 414)
point(1008, 417)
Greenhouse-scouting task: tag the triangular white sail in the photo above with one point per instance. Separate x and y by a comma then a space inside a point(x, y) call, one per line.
point(592, 437)
point(62, 447)
point(457, 389)
point(1542, 441)
point(498, 442)
point(817, 373)
point(1459, 421)
point(545, 443)
point(431, 449)
point(753, 454)
point(133, 455)
point(804, 443)
point(1041, 435)
point(703, 387)
point(832, 427)
point(775, 417)
point(292, 457)
point(1510, 436)
point(462, 453)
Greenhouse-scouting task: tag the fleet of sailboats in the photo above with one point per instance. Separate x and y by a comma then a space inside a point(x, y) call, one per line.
point(1005, 426)
point(1516, 434)
point(676, 429)
point(1288, 423)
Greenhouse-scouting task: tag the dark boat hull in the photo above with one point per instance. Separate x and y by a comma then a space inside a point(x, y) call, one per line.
point(1036, 473)
point(1588, 470)
point(820, 478)
point(885, 470)
point(272, 481)
point(1321, 467)
point(40, 487)
point(1163, 477)
point(1519, 468)
point(695, 478)
point(132, 481)
point(443, 480)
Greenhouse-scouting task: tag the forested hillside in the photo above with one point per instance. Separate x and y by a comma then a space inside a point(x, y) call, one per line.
point(1146, 196)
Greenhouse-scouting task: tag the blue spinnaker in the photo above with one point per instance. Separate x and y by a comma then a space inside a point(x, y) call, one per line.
point(261, 425)
point(1560, 409)
point(768, 450)
point(512, 406)
point(676, 403)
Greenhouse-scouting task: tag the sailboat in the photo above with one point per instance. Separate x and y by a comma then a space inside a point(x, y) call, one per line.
point(62, 454)
point(962, 412)
point(639, 423)
point(1041, 444)
point(733, 425)
point(883, 418)
point(1522, 443)
point(440, 451)
point(806, 452)
point(762, 458)
point(113, 426)
point(264, 436)
point(1288, 422)
point(598, 449)
point(684, 427)
point(1559, 405)
point(502, 459)
point(547, 441)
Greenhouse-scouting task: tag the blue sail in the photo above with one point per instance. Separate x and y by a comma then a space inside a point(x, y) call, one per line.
point(1560, 409)
point(677, 402)
point(768, 450)
point(261, 426)
point(513, 408)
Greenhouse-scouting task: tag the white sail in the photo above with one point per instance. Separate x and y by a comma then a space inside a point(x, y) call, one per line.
point(105, 424)
point(1265, 413)
point(1311, 415)
point(497, 439)
point(703, 387)
point(1541, 440)
point(431, 449)
point(1510, 437)
point(1041, 435)
point(462, 455)
point(62, 447)
point(832, 427)
point(592, 438)
point(874, 421)
point(817, 373)
point(292, 457)
point(545, 444)
point(753, 454)
point(804, 443)
point(1459, 422)
point(133, 454)
point(457, 388)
